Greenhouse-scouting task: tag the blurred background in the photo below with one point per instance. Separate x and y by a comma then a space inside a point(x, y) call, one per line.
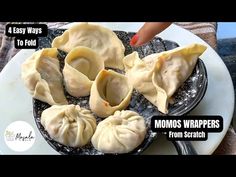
point(226, 48)
point(226, 30)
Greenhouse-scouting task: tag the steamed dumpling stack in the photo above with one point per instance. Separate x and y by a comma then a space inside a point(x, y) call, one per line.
point(159, 75)
point(100, 39)
point(42, 77)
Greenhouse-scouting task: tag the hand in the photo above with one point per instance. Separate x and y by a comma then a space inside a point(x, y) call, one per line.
point(147, 32)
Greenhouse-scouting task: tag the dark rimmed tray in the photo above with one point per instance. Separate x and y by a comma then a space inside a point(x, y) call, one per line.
point(186, 98)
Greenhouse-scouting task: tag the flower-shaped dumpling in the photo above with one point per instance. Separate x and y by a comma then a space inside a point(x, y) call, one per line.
point(110, 92)
point(70, 125)
point(82, 65)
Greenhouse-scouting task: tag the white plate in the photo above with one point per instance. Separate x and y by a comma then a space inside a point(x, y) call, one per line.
point(16, 103)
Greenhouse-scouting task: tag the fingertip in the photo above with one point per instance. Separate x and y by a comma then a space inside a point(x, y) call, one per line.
point(134, 40)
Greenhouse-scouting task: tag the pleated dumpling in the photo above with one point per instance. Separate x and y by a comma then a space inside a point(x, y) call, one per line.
point(120, 133)
point(110, 92)
point(70, 125)
point(42, 77)
point(102, 40)
point(82, 65)
point(158, 76)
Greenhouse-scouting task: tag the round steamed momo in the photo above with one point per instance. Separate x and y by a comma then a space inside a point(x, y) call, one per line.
point(70, 125)
point(82, 65)
point(102, 40)
point(120, 133)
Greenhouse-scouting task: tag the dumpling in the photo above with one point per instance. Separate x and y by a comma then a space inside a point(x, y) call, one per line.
point(110, 92)
point(158, 76)
point(70, 125)
point(42, 77)
point(101, 40)
point(119, 133)
point(82, 65)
